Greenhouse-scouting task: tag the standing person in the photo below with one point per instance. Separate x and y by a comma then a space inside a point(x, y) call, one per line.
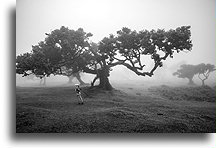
point(78, 92)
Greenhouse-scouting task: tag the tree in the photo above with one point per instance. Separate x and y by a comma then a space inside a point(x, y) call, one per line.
point(128, 48)
point(78, 77)
point(62, 51)
point(42, 80)
point(36, 63)
point(187, 71)
point(71, 75)
point(204, 71)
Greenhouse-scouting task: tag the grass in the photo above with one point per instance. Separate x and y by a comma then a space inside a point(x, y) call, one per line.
point(200, 93)
point(56, 110)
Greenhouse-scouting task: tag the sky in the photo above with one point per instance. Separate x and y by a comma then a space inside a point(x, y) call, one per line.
point(104, 17)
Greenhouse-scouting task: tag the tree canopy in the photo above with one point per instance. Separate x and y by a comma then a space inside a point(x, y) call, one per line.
point(189, 71)
point(73, 49)
point(128, 47)
point(204, 71)
point(61, 49)
point(186, 71)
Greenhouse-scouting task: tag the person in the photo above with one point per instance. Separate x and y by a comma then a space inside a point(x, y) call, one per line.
point(78, 92)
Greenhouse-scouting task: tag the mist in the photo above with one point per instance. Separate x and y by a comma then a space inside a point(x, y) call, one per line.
point(121, 75)
point(135, 90)
point(106, 17)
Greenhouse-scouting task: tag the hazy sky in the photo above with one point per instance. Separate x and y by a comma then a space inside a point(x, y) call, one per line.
point(103, 17)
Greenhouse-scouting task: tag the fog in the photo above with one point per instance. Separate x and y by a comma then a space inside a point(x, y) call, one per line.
point(121, 75)
point(103, 17)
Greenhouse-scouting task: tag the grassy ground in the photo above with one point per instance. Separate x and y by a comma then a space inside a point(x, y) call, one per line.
point(128, 109)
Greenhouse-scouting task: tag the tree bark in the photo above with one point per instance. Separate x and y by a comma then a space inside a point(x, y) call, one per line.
point(41, 80)
point(92, 83)
point(77, 75)
point(104, 80)
point(70, 78)
point(44, 81)
point(203, 82)
point(191, 82)
point(104, 83)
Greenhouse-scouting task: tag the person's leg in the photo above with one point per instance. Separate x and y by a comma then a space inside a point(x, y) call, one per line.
point(81, 99)
point(78, 99)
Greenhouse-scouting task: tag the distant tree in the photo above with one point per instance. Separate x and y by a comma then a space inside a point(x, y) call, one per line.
point(30, 68)
point(204, 71)
point(71, 75)
point(41, 77)
point(70, 48)
point(41, 61)
point(35, 63)
point(187, 71)
point(30, 77)
point(42, 80)
point(24, 64)
point(60, 53)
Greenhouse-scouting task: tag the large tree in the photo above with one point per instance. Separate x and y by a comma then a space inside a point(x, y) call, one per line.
point(62, 52)
point(128, 48)
point(66, 71)
point(204, 71)
point(187, 71)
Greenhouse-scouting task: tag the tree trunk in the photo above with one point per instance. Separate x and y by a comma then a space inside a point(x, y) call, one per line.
point(191, 82)
point(41, 80)
point(203, 82)
point(104, 80)
point(77, 75)
point(92, 83)
point(70, 78)
point(44, 80)
point(104, 83)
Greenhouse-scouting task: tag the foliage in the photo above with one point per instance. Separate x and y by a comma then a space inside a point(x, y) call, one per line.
point(189, 71)
point(129, 47)
point(71, 50)
point(204, 71)
point(186, 71)
point(62, 49)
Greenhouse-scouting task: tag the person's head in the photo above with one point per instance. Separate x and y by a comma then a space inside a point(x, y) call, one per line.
point(77, 85)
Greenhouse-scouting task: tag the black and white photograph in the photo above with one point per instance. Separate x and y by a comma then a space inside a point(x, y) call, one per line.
point(115, 66)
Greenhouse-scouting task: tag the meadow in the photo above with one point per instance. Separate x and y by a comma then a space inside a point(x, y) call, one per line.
point(126, 109)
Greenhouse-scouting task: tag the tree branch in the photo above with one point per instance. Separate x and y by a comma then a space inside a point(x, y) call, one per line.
point(87, 70)
point(199, 77)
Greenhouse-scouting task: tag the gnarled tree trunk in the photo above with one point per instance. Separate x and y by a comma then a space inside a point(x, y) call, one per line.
point(203, 82)
point(44, 83)
point(203, 79)
point(191, 82)
point(102, 74)
point(77, 75)
point(104, 83)
point(70, 78)
point(104, 80)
